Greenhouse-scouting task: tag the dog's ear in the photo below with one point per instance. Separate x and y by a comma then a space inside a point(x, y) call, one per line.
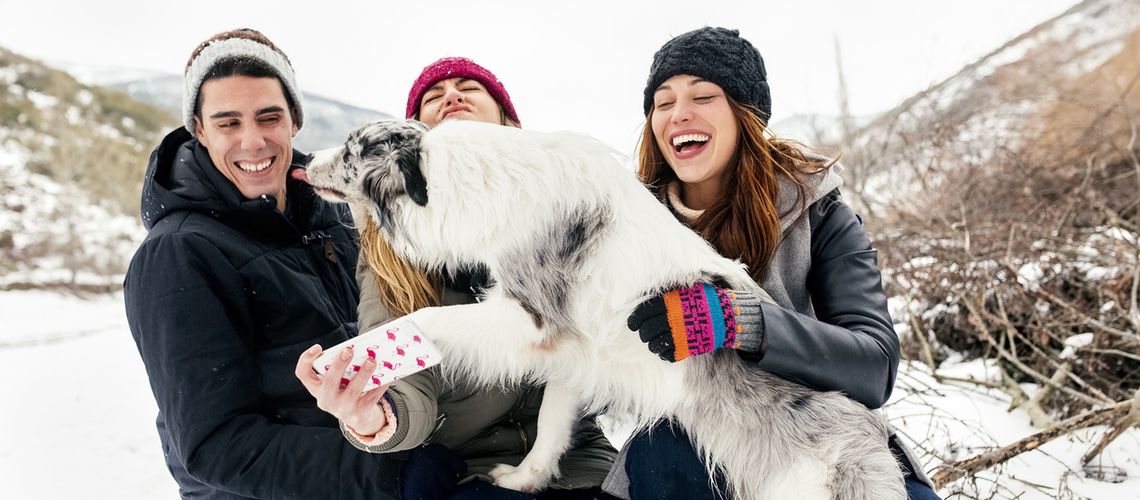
point(408, 161)
point(373, 184)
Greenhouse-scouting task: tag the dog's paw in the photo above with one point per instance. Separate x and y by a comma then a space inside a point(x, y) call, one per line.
point(523, 478)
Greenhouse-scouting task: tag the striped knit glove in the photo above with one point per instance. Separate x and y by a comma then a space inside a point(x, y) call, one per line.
point(700, 319)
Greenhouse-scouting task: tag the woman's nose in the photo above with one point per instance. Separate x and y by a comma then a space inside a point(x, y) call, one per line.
point(682, 112)
point(453, 96)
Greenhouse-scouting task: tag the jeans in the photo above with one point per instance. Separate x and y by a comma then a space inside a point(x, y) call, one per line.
point(662, 464)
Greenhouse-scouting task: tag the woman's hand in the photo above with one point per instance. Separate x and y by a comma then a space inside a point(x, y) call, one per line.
point(700, 319)
point(345, 399)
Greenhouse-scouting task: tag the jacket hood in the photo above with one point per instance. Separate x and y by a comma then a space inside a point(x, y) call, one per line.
point(181, 177)
point(788, 204)
point(818, 185)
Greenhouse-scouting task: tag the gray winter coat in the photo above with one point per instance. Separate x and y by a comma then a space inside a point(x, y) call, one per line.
point(829, 328)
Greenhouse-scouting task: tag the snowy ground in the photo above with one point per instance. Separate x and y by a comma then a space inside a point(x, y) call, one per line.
point(957, 421)
point(79, 418)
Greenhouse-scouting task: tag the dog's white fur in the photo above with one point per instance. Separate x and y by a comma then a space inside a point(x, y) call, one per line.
point(506, 199)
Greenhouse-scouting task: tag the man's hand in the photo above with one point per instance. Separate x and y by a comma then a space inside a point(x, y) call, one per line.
point(345, 399)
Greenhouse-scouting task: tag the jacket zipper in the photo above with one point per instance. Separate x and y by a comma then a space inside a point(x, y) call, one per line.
point(326, 243)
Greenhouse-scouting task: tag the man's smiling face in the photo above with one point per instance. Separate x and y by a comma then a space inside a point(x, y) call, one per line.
point(246, 126)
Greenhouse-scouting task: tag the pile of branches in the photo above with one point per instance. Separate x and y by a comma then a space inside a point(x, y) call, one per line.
point(1032, 259)
point(1045, 282)
point(1033, 264)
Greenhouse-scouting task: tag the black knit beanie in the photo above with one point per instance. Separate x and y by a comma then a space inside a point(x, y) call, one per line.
point(718, 55)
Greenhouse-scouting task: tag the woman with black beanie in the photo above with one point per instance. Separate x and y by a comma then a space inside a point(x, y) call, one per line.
point(707, 153)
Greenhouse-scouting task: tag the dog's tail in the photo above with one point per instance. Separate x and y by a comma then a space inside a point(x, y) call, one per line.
point(770, 438)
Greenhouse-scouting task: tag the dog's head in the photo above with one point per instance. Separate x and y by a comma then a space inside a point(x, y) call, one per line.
point(379, 163)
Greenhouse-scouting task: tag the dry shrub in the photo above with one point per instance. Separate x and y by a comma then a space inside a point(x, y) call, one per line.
point(1033, 256)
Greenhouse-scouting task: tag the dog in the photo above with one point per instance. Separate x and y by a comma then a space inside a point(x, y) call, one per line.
point(573, 243)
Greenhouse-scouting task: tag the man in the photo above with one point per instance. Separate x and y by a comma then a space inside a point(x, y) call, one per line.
point(243, 269)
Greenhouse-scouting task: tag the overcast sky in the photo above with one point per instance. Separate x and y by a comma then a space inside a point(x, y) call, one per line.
point(574, 65)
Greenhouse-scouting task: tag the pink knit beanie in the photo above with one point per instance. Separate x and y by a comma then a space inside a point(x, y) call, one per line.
point(459, 67)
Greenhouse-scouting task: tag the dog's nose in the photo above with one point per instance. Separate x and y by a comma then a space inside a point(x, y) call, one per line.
point(302, 159)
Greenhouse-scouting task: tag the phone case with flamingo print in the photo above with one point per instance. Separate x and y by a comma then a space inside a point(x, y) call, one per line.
point(399, 347)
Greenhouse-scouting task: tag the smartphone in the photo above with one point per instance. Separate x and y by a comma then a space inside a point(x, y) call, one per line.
point(400, 349)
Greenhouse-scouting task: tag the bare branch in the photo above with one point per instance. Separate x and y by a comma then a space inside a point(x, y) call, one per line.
point(951, 472)
point(976, 318)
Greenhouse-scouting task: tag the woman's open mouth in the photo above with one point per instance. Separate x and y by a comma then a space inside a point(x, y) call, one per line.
point(689, 145)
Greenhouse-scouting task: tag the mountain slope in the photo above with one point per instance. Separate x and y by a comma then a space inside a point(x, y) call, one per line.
point(77, 134)
point(327, 121)
point(72, 158)
point(1028, 91)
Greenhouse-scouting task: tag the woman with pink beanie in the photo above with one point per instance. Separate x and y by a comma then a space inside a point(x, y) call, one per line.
point(471, 429)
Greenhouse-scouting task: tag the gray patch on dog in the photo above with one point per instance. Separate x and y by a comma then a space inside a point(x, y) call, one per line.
point(541, 280)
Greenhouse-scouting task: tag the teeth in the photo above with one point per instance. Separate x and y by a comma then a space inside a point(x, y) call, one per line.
point(681, 139)
point(254, 167)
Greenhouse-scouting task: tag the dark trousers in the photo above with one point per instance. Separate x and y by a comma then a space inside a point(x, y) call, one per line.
point(478, 490)
point(662, 465)
point(432, 472)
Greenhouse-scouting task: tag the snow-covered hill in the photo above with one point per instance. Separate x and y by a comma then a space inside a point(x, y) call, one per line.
point(56, 235)
point(1000, 103)
point(71, 162)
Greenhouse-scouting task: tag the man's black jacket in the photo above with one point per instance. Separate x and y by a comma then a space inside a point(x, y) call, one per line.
point(222, 297)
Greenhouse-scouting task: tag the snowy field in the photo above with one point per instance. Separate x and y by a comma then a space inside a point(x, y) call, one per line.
point(79, 417)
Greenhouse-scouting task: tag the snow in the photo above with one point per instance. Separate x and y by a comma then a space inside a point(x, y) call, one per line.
point(88, 411)
point(40, 100)
point(1074, 343)
point(8, 75)
point(956, 420)
point(79, 421)
point(1030, 275)
point(85, 97)
point(55, 229)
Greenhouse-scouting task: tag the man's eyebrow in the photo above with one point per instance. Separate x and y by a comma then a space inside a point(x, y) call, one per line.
point(237, 114)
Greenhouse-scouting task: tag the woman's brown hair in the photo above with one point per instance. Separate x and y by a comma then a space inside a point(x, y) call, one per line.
point(744, 223)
